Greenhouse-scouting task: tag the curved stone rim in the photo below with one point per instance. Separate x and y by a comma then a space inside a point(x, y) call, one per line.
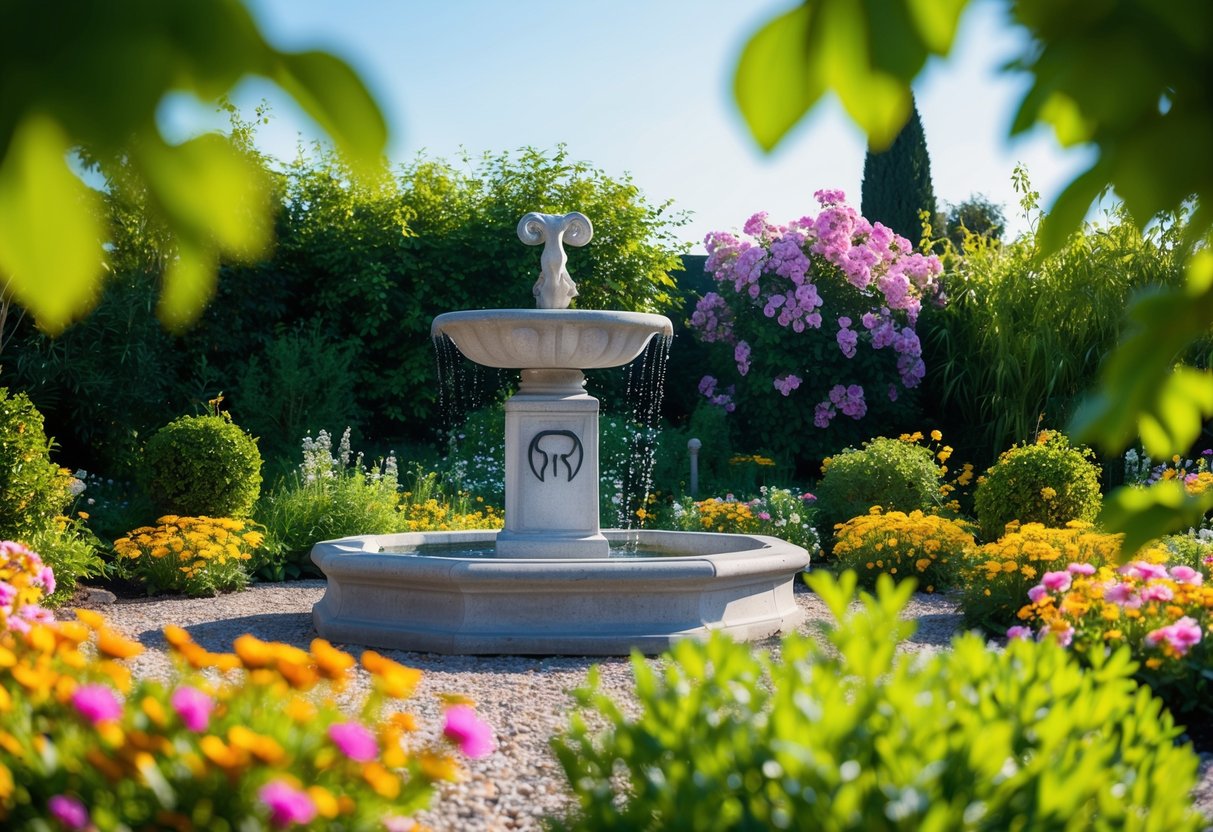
point(738, 584)
point(557, 340)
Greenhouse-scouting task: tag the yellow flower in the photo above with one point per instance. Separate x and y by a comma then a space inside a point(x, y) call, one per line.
point(936, 435)
point(1048, 493)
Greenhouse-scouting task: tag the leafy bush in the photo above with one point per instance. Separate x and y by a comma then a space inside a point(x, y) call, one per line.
point(997, 579)
point(778, 512)
point(300, 382)
point(895, 474)
point(35, 493)
point(1024, 335)
point(855, 735)
point(815, 317)
point(202, 465)
point(1163, 615)
point(33, 490)
point(927, 547)
point(260, 744)
point(328, 497)
point(425, 507)
point(191, 555)
point(1048, 482)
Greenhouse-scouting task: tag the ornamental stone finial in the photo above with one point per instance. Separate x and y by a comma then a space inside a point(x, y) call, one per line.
point(554, 289)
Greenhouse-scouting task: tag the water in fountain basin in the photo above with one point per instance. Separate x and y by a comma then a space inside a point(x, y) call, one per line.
point(620, 550)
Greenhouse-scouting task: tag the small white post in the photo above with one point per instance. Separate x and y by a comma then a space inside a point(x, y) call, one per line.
point(693, 447)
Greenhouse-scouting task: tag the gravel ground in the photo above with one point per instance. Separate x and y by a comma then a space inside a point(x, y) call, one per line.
point(524, 698)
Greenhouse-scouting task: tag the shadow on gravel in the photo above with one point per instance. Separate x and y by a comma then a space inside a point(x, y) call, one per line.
point(293, 628)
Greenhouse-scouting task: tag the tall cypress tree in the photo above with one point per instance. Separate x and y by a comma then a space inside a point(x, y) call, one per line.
point(897, 182)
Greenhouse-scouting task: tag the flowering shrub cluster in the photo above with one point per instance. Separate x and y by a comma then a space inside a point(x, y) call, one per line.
point(1000, 574)
point(192, 555)
point(779, 512)
point(24, 582)
point(1195, 474)
point(424, 507)
point(927, 547)
point(1162, 611)
point(1046, 481)
point(251, 739)
point(830, 297)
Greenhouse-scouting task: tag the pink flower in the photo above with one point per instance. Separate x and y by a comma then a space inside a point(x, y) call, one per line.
point(1157, 592)
point(1018, 632)
point(96, 703)
point(1056, 581)
point(69, 811)
point(287, 804)
point(1081, 569)
point(741, 354)
point(398, 823)
point(786, 384)
point(1122, 594)
point(1144, 571)
point(193, 706)
point(1036, 593)
point(1186, 575)
point(1182, 635)
point(355, 741)
point(1063, 637)
point(473, 735)
point(46, 577)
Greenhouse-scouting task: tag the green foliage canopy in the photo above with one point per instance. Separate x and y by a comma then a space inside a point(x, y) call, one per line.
point(76, 77)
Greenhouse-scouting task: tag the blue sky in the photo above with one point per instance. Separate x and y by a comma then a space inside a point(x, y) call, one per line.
point(644, 88)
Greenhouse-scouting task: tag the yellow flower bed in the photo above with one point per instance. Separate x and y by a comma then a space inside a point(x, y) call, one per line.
point(927, 547)
point(997, 578)
point(193, 555)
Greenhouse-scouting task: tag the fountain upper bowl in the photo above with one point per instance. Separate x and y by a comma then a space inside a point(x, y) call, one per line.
point(539, 339)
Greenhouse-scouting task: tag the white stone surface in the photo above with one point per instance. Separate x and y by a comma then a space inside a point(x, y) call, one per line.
point(409, 600)
point(578, 339)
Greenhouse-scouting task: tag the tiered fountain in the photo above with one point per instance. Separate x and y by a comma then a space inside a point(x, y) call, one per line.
point(551, 581)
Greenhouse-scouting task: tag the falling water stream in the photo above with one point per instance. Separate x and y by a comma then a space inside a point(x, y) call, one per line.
point(464, 386)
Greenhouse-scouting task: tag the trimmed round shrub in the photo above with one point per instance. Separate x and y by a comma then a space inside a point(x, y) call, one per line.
point(202, 465)
point(895, 474)
point(927, 547)
point(33, 490)
point(1049, 482)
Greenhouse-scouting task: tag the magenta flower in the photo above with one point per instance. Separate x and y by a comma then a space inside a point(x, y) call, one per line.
point(1081, 569)
point(1186, 575)
point(1036, 593)
point(69, 811)
point(473, 735)
point(1182, 635)
point(46, 577)
point(1157, 592)
point(1144, 571)
point(96, 703)
point(1121, 594)
point(1019, 632)
point(1056, 581)
point(193, 706)
point(355, 741)
point(287, 804)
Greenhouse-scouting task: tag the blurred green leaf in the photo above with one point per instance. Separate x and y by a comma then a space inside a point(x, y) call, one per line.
point(189, 281)
point(776, 82)
point(1145, 514)
point(867, 53)
point(1140, 394)
point(50, 228)
point(92, 78)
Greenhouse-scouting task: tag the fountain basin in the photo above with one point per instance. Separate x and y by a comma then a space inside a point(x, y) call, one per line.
point(410, 600)
point(540, 339)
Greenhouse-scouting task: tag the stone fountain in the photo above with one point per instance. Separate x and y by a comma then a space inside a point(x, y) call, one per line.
point(552, 581)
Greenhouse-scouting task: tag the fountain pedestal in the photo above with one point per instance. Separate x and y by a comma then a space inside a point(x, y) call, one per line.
point(551, 467)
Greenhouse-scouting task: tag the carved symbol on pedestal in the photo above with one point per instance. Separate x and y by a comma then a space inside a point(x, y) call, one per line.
point(572, 458)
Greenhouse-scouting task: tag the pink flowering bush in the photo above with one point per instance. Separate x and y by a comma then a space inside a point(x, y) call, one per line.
point(818, 319)
point(1161, 610)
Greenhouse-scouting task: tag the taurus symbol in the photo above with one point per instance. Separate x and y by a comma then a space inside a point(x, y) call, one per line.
point(537, 454)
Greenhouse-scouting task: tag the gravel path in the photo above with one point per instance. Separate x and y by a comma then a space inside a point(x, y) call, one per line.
point(525, 699)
